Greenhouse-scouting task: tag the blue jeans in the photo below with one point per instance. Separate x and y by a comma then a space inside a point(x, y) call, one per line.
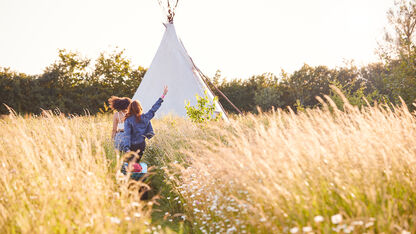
point(119, 140)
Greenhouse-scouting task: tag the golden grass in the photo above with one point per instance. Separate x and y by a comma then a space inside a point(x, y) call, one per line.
point(317, 171)
point(58, 175)
point(320, 171)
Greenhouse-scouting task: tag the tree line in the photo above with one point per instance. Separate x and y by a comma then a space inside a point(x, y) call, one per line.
point(74, 84)
point(71, 86)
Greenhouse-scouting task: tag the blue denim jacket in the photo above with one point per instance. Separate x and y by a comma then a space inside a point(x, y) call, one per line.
point(135, 133)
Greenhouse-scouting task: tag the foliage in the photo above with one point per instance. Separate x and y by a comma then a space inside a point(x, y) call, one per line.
point(356, 98)
point(105, 109)
point(399, 51)
point(75, 84)
point(70, 84)
point(204, 110)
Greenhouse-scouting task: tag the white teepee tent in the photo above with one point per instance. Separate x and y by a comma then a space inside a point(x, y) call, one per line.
point(173, 67)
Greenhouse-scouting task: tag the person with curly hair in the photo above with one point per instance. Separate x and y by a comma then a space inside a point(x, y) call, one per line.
point(119, 105)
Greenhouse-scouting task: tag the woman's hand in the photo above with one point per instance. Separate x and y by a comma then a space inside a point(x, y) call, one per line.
point(165, 91)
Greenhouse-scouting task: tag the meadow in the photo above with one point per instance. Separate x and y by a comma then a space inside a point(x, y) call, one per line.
point(319, 170)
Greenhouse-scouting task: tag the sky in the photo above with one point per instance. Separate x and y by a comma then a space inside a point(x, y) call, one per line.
point(239, 37)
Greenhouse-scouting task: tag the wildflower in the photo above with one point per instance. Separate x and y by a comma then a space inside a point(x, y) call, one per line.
point(369, 224)
point(335, 229)
point(357, 223)
point(137, 215)
point(318, 219)
point(349, 229)
point(405, 232)
point(135, 204)
point(343, 226)
point(232, 229)
point(294, 230)
point(336, 219)
point(307, 229)
point(115, 220)
point(127, 218)
point(263, 220)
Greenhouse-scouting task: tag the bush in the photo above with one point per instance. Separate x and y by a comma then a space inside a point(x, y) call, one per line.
point(204, 110)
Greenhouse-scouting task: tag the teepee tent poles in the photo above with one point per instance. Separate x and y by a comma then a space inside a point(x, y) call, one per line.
point(169, 9)
point(172, 66)
point(206, 80)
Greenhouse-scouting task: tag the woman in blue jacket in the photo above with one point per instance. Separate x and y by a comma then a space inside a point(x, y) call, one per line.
point(137, 125)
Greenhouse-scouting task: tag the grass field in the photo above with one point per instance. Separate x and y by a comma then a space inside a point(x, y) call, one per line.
point(318, 171)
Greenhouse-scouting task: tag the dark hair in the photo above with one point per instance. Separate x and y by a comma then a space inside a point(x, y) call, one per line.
point(135, 109)
point(119, 104)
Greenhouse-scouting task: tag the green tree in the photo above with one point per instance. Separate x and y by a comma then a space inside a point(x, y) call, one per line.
point(114, 71)
point(309, 82)
point(399, 51)
point(357, 97)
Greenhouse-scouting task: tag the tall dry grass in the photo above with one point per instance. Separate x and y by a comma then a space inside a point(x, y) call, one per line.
point(58, 175)
point(317, 171)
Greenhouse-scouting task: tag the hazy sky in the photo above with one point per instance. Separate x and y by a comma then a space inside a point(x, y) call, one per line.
point(239, 37)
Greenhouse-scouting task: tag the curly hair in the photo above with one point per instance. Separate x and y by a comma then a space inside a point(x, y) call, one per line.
point(118, 103)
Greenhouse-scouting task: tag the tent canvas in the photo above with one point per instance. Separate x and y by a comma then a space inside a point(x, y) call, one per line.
point(172, 66)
